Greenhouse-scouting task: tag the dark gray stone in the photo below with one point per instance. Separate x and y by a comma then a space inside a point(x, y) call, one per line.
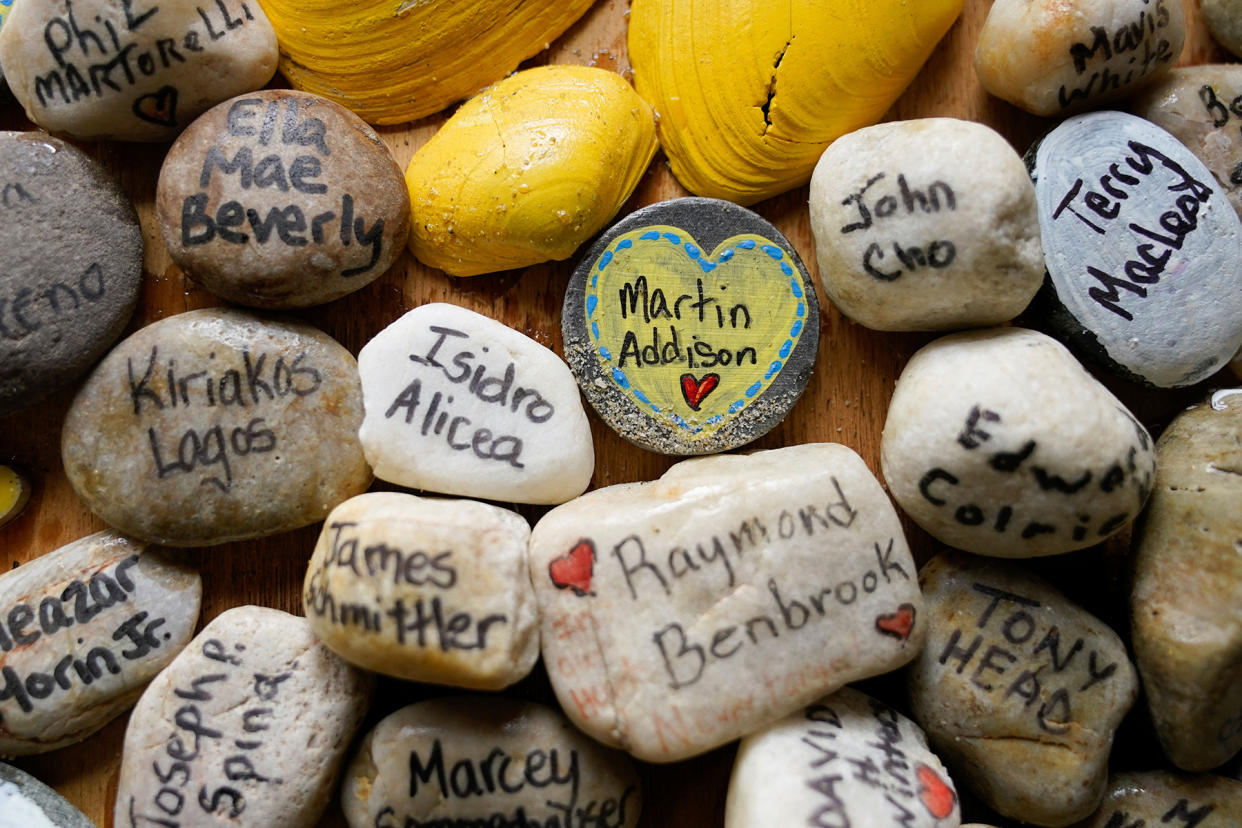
point(25, 802)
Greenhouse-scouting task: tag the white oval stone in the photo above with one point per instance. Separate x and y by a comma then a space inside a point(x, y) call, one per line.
point(1019, 690)
point(846, 760)
point(425, 590)
point(685, 612)
point(1144, 251)
point(82, 631)
point(135, 70)
point(999, 443)
point(461, 404)
point(247, 726)
point(1054, 58)
point(486, 761)
point(925, 225)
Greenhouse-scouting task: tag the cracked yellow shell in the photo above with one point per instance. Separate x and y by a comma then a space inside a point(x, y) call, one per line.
point(527, 170)
point(393, 61)
point(750, 92)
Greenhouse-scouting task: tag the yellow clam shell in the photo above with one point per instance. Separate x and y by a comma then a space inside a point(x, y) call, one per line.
point(528, 170)
point(393, 61)
point(751, 92)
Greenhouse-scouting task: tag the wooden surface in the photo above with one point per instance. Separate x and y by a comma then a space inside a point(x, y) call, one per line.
point(845, 402)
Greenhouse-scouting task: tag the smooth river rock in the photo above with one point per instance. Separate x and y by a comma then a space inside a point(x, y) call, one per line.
point(25, 802)
point(926, 225)
point(999, 443)
point(72, 266)
point(688, 611)
point(1224, 21)
point(248, 726)
point(1160, 798)
point(486, 761)
point(1201, 106)
point(425, 589)
point(1054, 58)
point(1019, 690)
point(216, 425)
point(281, 199)
point(82, 631)
point(135, 70)
point(846, 760)
point(1186, 628)
point(460, 404)
point(1143, 250)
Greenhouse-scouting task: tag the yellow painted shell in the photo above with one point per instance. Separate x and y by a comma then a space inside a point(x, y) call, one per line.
point(393, 61)
point(750, 92)
point(528, 170)
point(14, 492)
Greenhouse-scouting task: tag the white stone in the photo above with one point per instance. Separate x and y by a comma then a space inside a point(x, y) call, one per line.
point(247, 726)
point(846, 760)
point(461, 404)
point(688, 611)
point(999, 443)
point(1143, 249)
point(82, 631)
point(425, 589)
point(925, 225)
point(135, 70)
point(486, 761)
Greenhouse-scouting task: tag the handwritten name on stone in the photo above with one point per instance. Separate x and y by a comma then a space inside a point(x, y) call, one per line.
point(250, 722)
point(425, 590)
point(847, 761)
point(1019, 690)
point(82, 630)
point(1135, 231)
point(461, 404)
point(681, 613)
point(1161, 798)
point(489, 762)
point(1025, 453)
point(219, 421)
point(282, 199)
point(134, 70)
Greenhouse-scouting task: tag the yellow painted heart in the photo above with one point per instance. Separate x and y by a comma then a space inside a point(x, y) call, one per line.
point(691, 338)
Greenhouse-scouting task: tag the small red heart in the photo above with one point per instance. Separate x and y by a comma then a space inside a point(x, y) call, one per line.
point(574, 569)
point(938, 798)
point(694, 390)
point(897, 624)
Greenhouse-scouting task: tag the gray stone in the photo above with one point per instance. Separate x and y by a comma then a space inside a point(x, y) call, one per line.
point(25, 802)
point(73, 265)
point(486, 761)
point(133, 71)
point(999, 443)
point(847, 759)
point(685, 612)
point(1224, 21)
point(1019, 690)
point(1144, 252)
point(248, 726)
point(385, 560)
point(82, 631)
point(925, 225)
point(1187, 631)
point(216, 425)
point(691, 326)
point(282, 199)
point(1162, 798)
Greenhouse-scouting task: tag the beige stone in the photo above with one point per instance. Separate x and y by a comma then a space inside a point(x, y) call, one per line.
point(1186, 625)
point(425, 590)
point(486, 761)
point(1224, 21)
point(1158, 798)
point(1019, 690)
point(685, 612)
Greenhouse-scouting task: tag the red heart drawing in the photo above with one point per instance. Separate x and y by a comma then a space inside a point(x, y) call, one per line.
point(158, 107)
point(695, 390)
point(938, 798)
point(897, 624)
point(574, 569)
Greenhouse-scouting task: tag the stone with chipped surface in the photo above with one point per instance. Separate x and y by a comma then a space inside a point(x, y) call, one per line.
point(685, 612)
point(1155, 798)
point(25, 802)
point(1019, 690)
point(249, 725)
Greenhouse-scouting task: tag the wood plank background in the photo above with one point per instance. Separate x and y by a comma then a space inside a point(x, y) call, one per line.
point(845, 402)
